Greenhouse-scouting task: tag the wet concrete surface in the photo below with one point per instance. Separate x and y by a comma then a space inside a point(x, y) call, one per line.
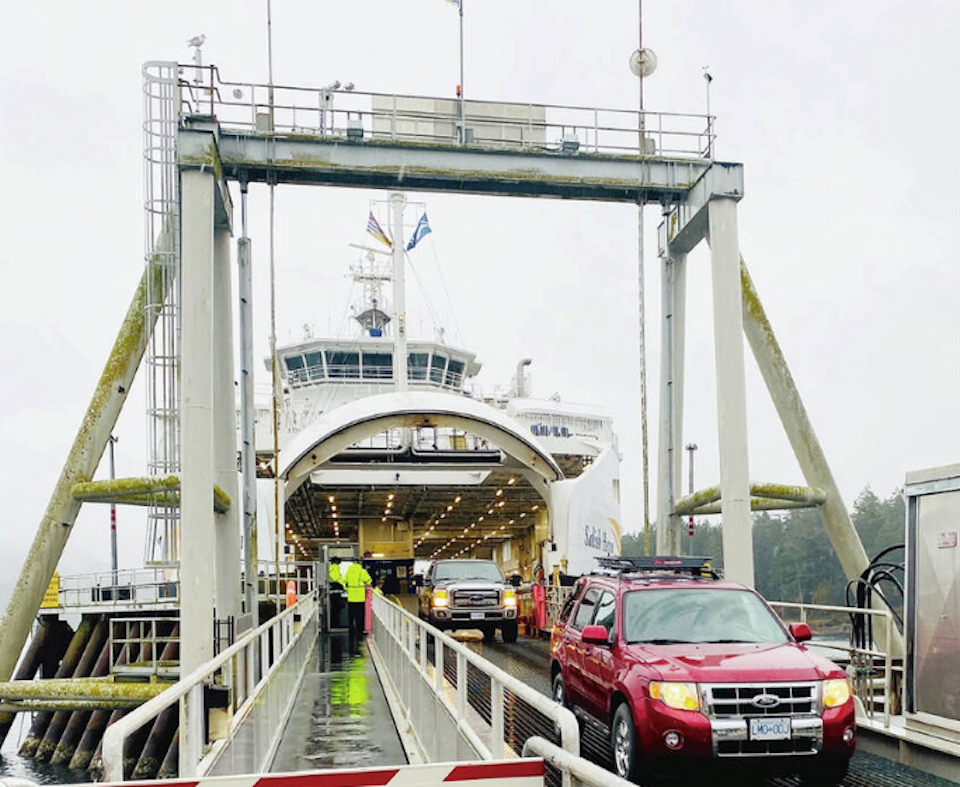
point(341, 718)
point(529, 661)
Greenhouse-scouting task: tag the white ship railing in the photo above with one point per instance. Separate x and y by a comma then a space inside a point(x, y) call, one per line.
point(512, 126)
point(458, 706)
point(873, 674)
point(243, 671)
point(142, 587)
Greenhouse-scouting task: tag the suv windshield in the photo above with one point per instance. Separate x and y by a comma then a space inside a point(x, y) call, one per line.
point(467, 569)
point(697, 615)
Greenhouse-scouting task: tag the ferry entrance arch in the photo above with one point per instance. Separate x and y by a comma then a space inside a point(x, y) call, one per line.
point(357, 473)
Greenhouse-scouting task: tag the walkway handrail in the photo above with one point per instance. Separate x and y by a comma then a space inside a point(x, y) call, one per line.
point(395, 619)
point(583, 773)
point(279, 628)
point(861, 686)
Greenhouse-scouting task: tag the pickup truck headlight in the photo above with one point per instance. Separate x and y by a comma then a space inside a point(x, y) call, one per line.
point(510, 597)
point(439, 598)
point(836, 692)
point(682, 696)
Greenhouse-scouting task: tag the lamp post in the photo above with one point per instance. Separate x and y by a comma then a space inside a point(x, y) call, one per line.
point(691, 448)
point(113, 516)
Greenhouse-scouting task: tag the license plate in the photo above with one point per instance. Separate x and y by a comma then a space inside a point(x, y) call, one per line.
point(476, 616)
point(774, 728)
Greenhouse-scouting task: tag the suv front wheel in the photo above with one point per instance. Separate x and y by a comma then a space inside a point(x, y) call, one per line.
point(509, 631)
point(623, 744)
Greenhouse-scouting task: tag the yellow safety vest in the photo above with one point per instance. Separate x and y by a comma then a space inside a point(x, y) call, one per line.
point(355, 581)
point(335, 573)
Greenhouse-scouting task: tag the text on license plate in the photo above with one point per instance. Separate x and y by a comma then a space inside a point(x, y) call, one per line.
point(476, 616)
point(774, 728)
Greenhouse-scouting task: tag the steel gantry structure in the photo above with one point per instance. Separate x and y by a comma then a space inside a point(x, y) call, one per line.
point(281, 135)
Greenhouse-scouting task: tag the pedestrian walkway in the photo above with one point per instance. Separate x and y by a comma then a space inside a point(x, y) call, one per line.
point(341, 718)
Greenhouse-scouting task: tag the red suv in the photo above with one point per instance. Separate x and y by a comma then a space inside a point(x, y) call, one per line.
point(686, 670)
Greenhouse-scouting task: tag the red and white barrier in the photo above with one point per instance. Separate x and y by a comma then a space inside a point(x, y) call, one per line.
point(509, 773)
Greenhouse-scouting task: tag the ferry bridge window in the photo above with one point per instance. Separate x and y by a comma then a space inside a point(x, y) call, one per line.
point(417, 366)
point(296, 372)
point(377, 366)
point(437, 366)
point(454, 373)
point(343, 364)
point(314, 365)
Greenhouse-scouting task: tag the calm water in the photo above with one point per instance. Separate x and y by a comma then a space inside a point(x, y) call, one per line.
point(11, 764)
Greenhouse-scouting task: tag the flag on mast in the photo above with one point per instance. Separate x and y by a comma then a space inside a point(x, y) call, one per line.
point(423, 228)
point(454, 2)
point(374, 228)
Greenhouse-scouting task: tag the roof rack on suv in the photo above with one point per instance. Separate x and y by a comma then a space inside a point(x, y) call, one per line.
point(694, 566)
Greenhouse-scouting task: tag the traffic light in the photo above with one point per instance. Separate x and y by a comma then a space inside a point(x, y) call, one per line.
point(690, 527)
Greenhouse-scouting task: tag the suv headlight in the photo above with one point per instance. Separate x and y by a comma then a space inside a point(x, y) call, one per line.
point(439, 598)
point(682, 696)
point(510, 597)
point(836, 692)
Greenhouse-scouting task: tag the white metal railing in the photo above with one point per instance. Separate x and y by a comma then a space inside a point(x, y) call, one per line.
point(452, 699)
point(866, 664)
point(242, 671)
point(583, 773)
point(138, 645)
point(126, 588)
point(301, 572)
point(327, 112)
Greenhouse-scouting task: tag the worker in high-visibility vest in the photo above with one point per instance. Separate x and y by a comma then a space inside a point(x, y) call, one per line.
point(334, 572)
point(356, 581)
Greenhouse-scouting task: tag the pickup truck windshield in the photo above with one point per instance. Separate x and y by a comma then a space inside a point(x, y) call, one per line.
point(468, 569)
point(694, 615)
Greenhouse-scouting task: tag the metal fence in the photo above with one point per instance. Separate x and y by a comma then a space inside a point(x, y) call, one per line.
point(517, 126)
point(238, 676)
point(139, 647)
point(467, 706)
point(876, 679)
point(151, 587)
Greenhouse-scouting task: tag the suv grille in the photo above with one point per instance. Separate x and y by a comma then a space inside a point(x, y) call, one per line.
point(741, 700)
point(478, 599)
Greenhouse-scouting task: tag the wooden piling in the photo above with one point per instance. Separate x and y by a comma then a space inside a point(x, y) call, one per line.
point(69, 664)
point(28, 668)
point(170, 768)
point(58, 724)
point(79, 720)
point(161, 735)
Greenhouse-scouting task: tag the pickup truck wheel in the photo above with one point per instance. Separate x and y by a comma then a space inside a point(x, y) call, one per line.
point(623, 744)
point(509, 631)
point(488, 634)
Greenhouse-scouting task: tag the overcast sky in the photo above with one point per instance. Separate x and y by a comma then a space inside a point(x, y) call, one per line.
point(845, 115)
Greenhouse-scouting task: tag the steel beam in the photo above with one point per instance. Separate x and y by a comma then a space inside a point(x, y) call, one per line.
point(81, 463)
point(197, 530)
point(731, 391)
point(423, 167)
point(227, 523)
point(670, 454)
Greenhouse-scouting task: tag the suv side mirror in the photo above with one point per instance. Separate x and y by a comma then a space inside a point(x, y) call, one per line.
point(596, 635)
point(800, 632)
point(516, 580)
